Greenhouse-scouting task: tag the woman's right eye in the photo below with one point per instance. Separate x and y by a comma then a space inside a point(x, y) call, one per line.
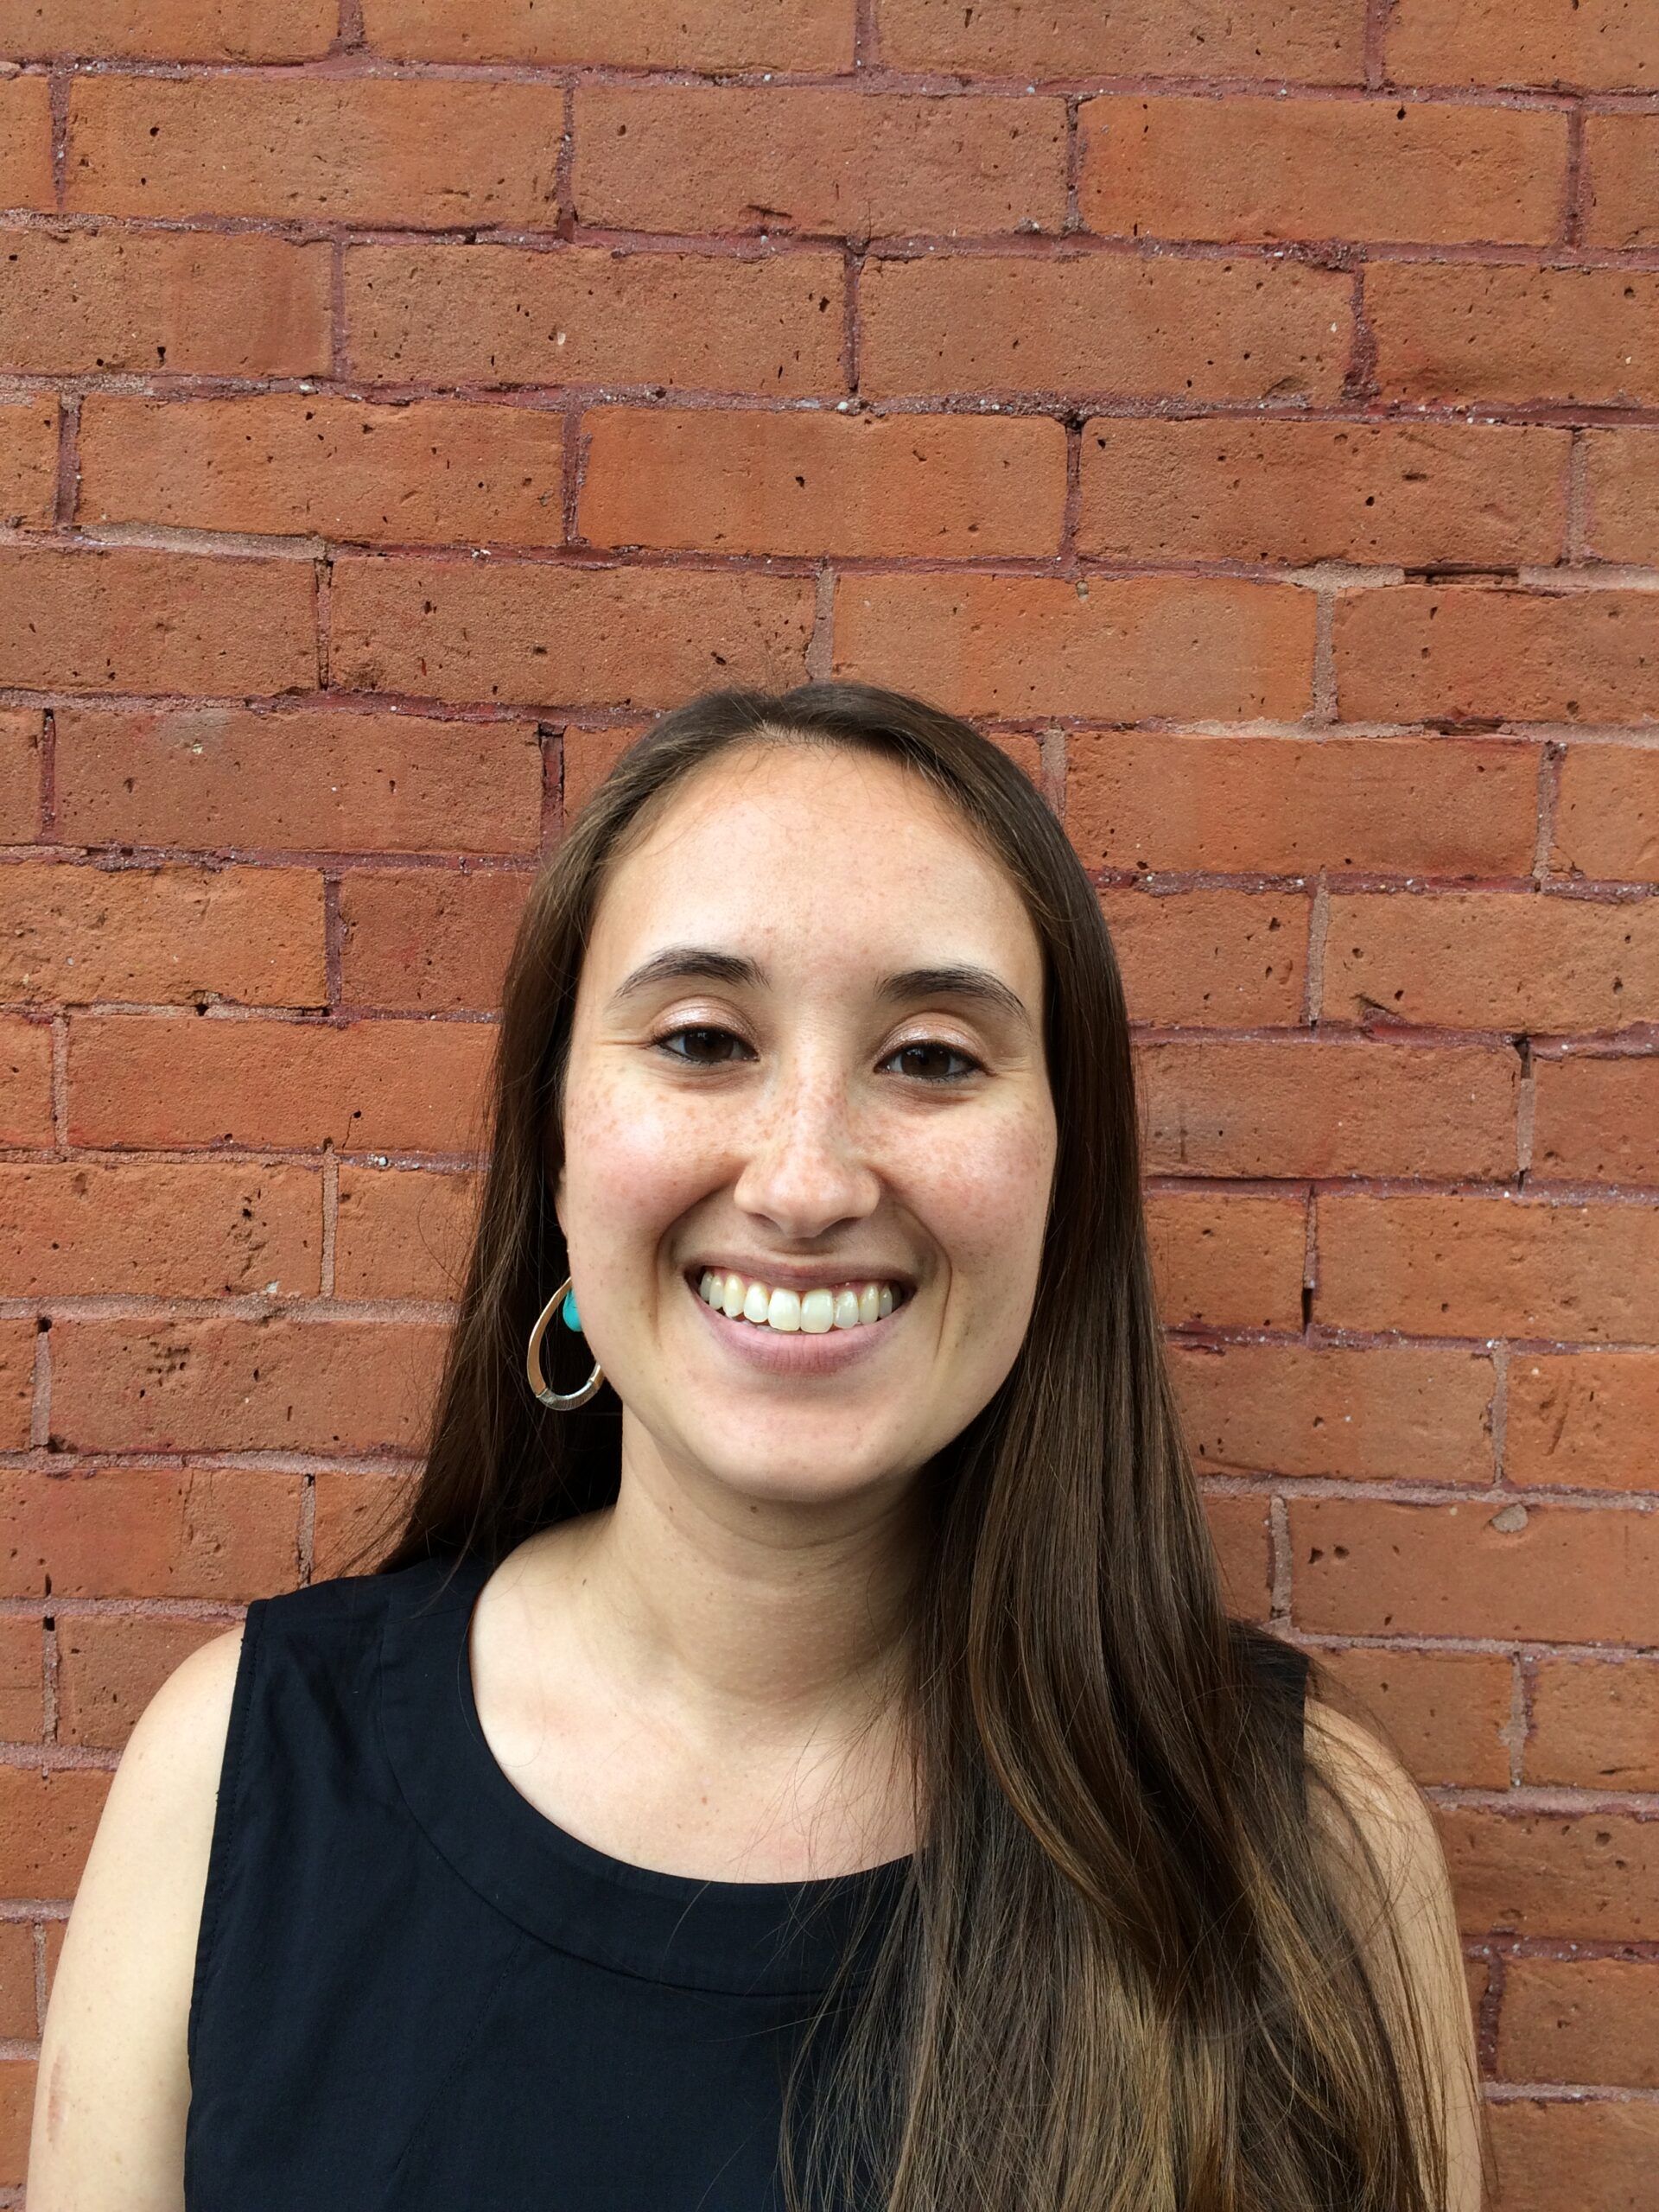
point(664, 1043)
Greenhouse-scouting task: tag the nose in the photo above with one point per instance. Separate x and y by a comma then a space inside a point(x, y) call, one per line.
point(806, 1169)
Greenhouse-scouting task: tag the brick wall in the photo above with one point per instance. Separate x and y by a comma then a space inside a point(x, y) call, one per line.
point(1247, 410)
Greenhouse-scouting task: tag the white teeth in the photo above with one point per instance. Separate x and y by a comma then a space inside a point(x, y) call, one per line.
point(812, 1312)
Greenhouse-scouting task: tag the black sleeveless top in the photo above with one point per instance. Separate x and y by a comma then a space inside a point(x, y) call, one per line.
point(414, 1990)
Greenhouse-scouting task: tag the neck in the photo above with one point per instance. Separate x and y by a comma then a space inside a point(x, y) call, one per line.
point(762, 1625)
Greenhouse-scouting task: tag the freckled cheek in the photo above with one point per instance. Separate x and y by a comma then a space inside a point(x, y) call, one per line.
point(635, 1162)
point(983, 1196)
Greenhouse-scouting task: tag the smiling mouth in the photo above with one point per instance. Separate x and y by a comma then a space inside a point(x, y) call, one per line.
point(847, 1308)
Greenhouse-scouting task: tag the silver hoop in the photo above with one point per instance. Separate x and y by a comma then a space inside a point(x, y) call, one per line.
point(533, 1360)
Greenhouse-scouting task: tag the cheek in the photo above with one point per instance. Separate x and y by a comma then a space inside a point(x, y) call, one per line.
point(632, 1155)
point(983, 1192)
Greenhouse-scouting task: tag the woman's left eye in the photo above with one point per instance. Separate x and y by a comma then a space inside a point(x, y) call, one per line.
point(666, 1043)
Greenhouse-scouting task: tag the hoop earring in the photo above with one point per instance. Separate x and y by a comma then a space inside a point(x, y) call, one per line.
point(533, 1359)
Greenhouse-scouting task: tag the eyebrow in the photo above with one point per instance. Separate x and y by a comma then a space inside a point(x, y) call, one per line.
point(698, 963)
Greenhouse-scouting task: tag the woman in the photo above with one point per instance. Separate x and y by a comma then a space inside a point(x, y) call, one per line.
point(804, 1759)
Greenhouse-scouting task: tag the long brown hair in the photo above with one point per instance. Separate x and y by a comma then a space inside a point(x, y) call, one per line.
point(1123, 1975)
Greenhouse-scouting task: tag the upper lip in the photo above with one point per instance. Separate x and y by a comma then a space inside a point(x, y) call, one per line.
point(804, 1274)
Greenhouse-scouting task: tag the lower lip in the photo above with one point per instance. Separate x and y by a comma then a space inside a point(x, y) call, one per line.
point(796, 1351)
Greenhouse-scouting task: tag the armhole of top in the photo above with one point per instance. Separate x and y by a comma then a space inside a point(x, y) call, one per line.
point(226, 1809)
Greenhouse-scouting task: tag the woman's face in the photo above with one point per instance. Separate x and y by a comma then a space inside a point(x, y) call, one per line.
point(769, 1106)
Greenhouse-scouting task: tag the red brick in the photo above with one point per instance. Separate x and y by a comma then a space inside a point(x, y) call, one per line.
point(23, 1684)
point(213, 1385)
point(1394, 1414)
point(1581, 2020)
point(25, 1081)
point(1103, 322)
point(1480, 1266)
point(47, 1820)
point(1606, 824)
point(428, 152)
point(155, 1229)
point(1554, 2155)
point(110, 1668)
point(1594, 1117)
point(280, 462)
point(1621, 154)
point(402, 1233)
point(223, 1534)
point(1583, 1419)
point(1316, 41)
point(169, 30)
point(126, 620)
point(769, 321)
point(1363, 1566)
point(1216, 958)
point(1621, 490)
point(587, 757)
point(17, 2084)
point(842, 160)
point(1491, 960)
point(28, 461)
point(73, 933)
point(20, 774)
point(1233, 489)
point(358, 1517)
point(1595, 1725)
point(1400, 170)
point(868, 486)
point(332, 781)
point(428, 939)
point(1444, 1712)
point(25, 138)
point(1151, 646)
point(1302, 1106)
point(19, 2019)
point(194, 302)
point(1227, 1259)
point(1513, 336)
point(527, 633)
point(362, 1086)
point(16, 1382)
point(708, 35)
point(1238, 1526)
point(1289, 806)
point(1604, 45)
point(1587, 1876)
point(1421, 653)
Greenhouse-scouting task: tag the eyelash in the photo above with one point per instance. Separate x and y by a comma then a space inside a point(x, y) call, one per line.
point(912, 1045)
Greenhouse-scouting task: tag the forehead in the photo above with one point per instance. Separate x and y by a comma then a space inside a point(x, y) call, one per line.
point(833, 853)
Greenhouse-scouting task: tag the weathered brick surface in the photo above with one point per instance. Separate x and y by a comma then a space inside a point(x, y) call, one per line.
point(1275, 490)
point(499, 314)
point(168, 30)
point(1244, 411)
point(738, 158)
point(132, 619)
point(292, 463)
point(708, 35)
point(1143, 799)
point(1103, 322)
point(205, 303)
point(1605, 45)
point(29, 462)
point(1513, 335)
point(1424, 171)
point(1319, 41)
point(879, 486)
point(328, 781)
point(25, 141)
point(423, 152)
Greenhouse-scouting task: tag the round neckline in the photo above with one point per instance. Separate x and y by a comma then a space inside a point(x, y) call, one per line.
point(746, 1938)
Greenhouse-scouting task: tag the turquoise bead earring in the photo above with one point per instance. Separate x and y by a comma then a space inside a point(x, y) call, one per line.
point(563, 1302)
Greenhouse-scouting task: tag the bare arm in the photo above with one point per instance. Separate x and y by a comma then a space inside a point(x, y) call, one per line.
point(1396, 1822)
point(114, 2083)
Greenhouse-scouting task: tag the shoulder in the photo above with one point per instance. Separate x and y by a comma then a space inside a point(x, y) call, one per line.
point(113, 2085)
point(1375, 1833)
